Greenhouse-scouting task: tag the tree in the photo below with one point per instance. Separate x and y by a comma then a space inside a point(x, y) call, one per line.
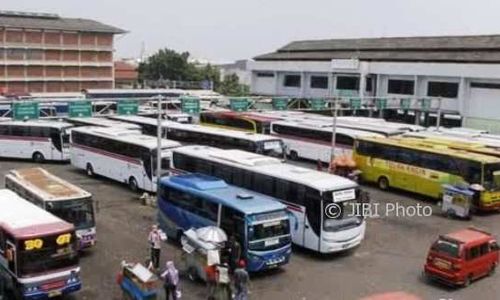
point(231, 86)
point(166, 64)
point(171, 65)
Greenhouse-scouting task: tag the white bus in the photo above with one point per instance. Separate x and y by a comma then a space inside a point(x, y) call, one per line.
point(313, 140)
point(307, 193)
point(217, 137)
point(59, 197)
point(36, 139)
point(103, 122)
point(121, 155)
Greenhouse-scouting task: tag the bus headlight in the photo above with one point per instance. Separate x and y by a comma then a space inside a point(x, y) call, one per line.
point(31, 289)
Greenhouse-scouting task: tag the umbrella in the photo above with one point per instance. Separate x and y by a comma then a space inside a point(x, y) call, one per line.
point(211, 234)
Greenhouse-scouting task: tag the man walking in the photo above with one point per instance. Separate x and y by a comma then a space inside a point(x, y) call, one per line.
point(241, 280)
point(154, 239)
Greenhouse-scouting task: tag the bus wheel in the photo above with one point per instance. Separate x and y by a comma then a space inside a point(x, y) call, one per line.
point(383, 183)
point(294, 155)
point(132, 183)
point(90, 170)
point(38, 157)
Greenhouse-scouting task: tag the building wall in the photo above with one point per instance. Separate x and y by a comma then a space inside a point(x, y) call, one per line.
point(55, 61)
point(480, 105)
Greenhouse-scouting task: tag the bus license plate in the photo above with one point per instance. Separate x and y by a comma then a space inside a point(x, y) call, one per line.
point(54, 293)
point(271, 242)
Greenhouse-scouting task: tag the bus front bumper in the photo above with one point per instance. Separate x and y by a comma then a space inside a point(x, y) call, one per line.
point(43, 295)
point(332, 245)
point(257, 261)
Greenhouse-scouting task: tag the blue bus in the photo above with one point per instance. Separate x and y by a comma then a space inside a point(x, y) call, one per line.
point(260, 223)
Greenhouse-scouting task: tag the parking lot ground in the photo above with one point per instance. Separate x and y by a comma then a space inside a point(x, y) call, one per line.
point(389, 259)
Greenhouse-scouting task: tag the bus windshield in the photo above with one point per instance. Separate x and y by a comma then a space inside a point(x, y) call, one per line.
point(47, 253)
point(271, 148)
point(79, 212)
point(267, 235)
point(340, 215)
point(492, 176)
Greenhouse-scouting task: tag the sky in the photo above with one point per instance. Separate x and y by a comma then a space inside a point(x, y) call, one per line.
point(225, 30)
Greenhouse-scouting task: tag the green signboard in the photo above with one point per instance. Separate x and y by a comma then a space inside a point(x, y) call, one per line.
point(25, 110)
point(239, 104)
point(280, 103)
point(317, 104)
point(190, 105)
point(355, 103)
point(405, 103)
point(127, 107)
point(425, 104)
point(80, 109)
point(381, 103)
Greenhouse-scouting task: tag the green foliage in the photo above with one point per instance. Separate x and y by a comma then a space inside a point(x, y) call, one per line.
point(171, 65)
point(231, 86)
point(168, 64)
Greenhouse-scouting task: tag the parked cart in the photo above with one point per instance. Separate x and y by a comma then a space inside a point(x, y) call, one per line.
point(457, 201)
point(202, 248)
point(137, 282)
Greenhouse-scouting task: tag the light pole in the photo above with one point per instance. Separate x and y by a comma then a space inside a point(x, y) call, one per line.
point(158, 149)
point(334, 133)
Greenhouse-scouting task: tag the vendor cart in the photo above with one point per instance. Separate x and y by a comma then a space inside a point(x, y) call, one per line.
point(457, 201)
point(202, 248)
point(137, 282)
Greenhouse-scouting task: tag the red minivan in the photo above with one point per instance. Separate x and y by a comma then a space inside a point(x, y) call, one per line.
point(458, 258)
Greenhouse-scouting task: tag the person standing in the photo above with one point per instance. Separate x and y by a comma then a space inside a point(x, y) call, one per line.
point(171, 281)
point(154, 239)
point(211, 276)
point(234, 253)
point(241, 280)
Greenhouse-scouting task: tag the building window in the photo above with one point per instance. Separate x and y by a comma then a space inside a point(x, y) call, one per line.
point(265, 74)
point(402, 87)
point(319, 82)
point(369, 84)
point(292, 81)
point(483, 85)
point(442, 89)
point(347, 83)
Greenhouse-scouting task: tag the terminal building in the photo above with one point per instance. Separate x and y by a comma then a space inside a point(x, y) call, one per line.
point(462, 71)
point(45, 53)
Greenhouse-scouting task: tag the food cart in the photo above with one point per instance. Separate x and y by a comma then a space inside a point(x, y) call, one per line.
point(202, 248)
point(457, 201)
point(137, 282)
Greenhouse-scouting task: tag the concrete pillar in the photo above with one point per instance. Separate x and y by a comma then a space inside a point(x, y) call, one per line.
point(302, 84)
point(463, 99)
point(276, 83)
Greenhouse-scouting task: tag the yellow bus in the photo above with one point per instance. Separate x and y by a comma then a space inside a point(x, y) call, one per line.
point(419, 167)
point(458, 144)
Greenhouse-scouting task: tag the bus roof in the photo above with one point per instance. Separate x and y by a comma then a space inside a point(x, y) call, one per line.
point(322, 126)
point(417, 144)
point(198, 128)
point(476, 143)
point(269, 166)
point(24, 219)
point(104, 122)
point(41, 123)
point(127, 136)
point(46, 185)
point(240, 199)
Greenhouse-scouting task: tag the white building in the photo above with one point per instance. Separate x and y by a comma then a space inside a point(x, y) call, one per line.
point(462, 70)
point(239, 67)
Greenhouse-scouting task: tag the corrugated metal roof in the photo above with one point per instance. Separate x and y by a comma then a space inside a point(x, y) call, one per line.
point(469, 49)
point(57, 23)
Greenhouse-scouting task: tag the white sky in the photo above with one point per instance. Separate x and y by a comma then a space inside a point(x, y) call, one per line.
point(225, 30)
